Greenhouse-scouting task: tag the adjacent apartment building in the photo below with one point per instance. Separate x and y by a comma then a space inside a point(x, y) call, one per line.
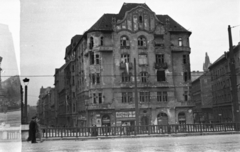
point(98, 75)
point(221, 86)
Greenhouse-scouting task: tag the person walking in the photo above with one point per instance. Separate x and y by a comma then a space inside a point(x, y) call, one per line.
point(32, 130)
point(38, 130)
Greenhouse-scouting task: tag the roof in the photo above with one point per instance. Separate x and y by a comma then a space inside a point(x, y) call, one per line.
point(105, 21)
point(173, 25)
point(128, 6)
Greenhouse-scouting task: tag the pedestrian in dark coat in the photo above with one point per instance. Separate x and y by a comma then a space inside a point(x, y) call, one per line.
point(32, 130)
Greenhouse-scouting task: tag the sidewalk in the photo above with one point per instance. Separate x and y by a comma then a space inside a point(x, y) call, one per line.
point(140, 136)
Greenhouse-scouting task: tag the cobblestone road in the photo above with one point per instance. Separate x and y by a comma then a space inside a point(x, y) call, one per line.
point(214, 143)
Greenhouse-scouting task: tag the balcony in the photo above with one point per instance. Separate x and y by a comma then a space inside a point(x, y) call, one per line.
point(105, 48)
point(123, 65)
point(99, 106)
point(161, 65)
point(180, 48)
point(125, 47)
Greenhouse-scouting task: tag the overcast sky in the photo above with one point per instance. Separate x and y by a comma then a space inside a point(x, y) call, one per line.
point(47, 27)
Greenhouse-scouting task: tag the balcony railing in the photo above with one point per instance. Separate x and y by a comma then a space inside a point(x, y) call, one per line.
point(62, 132)
point(161, 65)
point(180, 48)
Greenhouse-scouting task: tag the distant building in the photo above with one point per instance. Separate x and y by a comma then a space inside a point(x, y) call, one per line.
point(98, 73)
point(196, 74)
point(201, 93)
point(221, 86)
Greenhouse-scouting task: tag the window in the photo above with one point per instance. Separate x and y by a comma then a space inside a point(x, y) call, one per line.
point(124, 41)
point(161, 75)
point(97, 98)
point(140, 19)
point(186, 76)
point(185, 59)
point(125, 58)
point(179, 41)
point(142, 41)
point(126, 77)
point(97, 59)
point(101, 41)
point(95, 78)
point(143, 77)
point(73, 82)
point(91, 43)
point(162, 96)
point(94, 58)
point(144, 96)
point(185, 96)
point(127, 97)
point(142, 60)
point(159, 58)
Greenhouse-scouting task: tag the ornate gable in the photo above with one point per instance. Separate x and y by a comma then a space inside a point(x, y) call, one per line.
point(138, 19)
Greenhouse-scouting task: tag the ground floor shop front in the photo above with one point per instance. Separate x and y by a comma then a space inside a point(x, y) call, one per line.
point(127, 117)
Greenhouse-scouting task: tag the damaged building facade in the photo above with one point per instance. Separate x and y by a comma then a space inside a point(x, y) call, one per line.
point(99, 71)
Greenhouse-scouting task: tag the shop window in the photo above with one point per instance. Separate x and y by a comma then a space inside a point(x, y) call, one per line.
point(144, 96)
point(179, 41)
point(124, 41)
point(126, 77)
point(127, 97)
point(142, 42)
point(161, 75)
point(159, 58)
point(143, 59)
point(143, 76)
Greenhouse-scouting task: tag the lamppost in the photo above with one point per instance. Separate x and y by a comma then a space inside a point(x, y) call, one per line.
point(26, 81)
point(233, 76)
point(22, 105)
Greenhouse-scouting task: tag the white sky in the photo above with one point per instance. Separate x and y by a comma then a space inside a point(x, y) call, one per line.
point(47, 27)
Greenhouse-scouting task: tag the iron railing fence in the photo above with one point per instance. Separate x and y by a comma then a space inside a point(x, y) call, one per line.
point(138, 130)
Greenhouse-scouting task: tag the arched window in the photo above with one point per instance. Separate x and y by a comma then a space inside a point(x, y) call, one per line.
point(162, 118)
point(179, 41)
point(140, 19)
point(124, 41)
point(91, 43)
point(101, 41)
point(142, 41)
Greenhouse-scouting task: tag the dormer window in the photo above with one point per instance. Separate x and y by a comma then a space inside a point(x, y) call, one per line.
point(142, 41)
point(140, 19)
point(91, 43)
point(124, 41)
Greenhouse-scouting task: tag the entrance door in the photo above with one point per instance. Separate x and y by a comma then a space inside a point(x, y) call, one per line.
point(182, 118)
point(162, 119)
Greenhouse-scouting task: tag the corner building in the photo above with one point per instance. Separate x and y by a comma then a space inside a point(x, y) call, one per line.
point(104, 64)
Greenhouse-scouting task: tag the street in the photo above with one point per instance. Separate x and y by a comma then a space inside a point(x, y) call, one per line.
point(214, 143)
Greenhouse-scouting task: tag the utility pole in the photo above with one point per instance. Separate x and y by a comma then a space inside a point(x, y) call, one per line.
point(136, 93)
point(235, 105)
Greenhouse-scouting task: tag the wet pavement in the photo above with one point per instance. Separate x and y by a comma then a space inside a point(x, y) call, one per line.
point(212, 143)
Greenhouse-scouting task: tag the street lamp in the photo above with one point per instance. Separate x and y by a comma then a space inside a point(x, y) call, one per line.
point(26, 81)
point(233, 75)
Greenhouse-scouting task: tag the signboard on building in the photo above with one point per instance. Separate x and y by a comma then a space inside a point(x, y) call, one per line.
point(125, 114)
